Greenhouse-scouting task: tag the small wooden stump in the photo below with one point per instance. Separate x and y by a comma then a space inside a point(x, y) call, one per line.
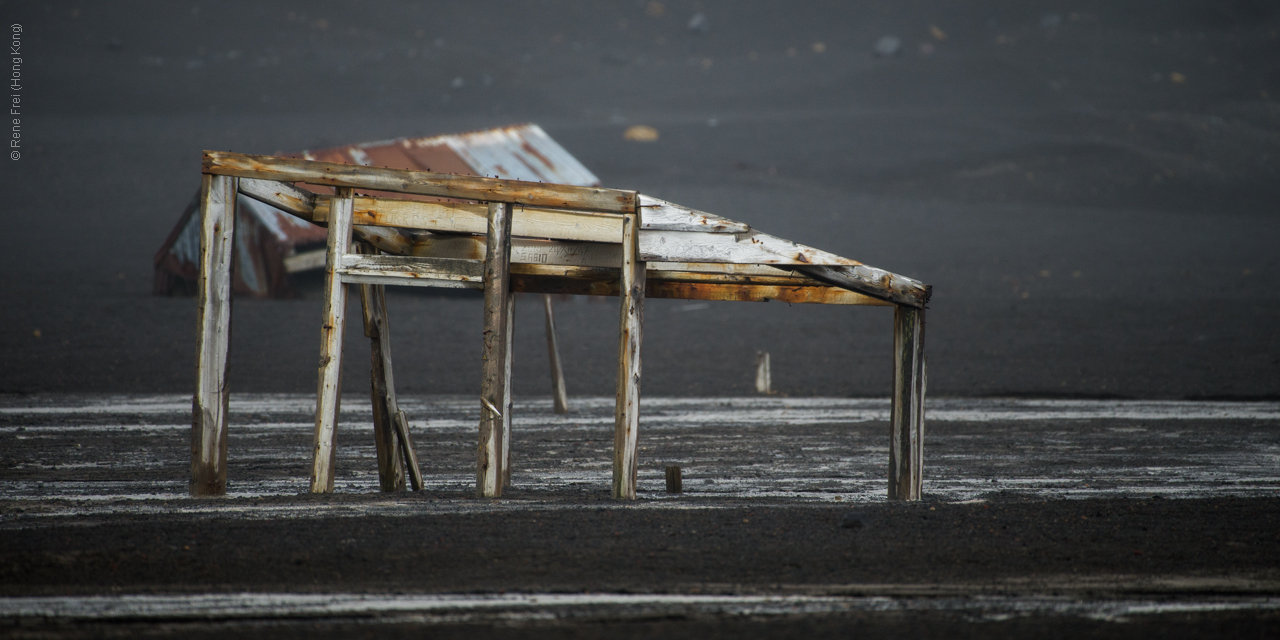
point(674, 482)
point(764, 378)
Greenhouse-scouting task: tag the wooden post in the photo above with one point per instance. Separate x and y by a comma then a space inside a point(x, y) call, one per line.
point(906, 419)
point(559, 398)
point(493, 395)
point(382, 387)
point(209, 406)
point(627, 409)
point(329, 385)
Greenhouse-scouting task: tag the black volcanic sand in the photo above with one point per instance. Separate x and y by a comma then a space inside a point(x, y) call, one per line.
point(1000, 547)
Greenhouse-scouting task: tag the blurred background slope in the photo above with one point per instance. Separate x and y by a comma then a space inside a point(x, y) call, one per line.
point(1090, 186)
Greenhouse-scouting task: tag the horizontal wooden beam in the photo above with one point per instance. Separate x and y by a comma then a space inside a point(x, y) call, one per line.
point(556, 196)
point(446, 272)
point(466, 217)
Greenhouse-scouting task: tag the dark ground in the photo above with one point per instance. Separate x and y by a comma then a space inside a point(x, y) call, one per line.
point(1091, 187)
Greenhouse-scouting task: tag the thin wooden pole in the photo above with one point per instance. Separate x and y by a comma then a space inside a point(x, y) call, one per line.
point(507, 401)
point(329, 385)
point(906, 419)
point(627, 409)
point(381, 383)
point(559, 398)
point(493, 395)
point(209, 406)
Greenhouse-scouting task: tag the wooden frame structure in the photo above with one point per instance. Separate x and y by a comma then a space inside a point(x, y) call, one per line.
point(508, 236)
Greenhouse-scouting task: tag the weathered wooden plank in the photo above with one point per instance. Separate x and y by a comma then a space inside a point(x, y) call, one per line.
point(328, 396)
point(497, 279)
point(873, 282)
point(630, 330)
point(906, 417)
point(658, 214)
point(209, 406)
point(382, 384)
point(557, 196)
point(412, 267)
point(283, 196)
point(559, 397)
point(467, 217)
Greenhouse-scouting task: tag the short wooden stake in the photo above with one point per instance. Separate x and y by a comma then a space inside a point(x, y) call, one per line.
point(559, 398)
point(627, 409)
point(493, 395)
point(674, 483)
point(764, 379)
point(209, 406)
point(382, 382)
point(906, 419)
point(329, 392)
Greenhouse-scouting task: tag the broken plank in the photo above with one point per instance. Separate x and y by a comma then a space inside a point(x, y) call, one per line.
point(426, 183)
point(450, 269)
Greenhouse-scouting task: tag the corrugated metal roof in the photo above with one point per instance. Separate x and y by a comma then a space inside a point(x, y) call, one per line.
point(270, 243)
point(518, 152)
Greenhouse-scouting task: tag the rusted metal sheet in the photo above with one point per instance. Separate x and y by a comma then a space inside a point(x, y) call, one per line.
point(270, 245)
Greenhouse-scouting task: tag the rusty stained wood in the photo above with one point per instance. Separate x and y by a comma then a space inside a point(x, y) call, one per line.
point(209, 405)
point(497, 293)
point(329, 385)
point(559, 397)
point(906, 416)
point(630, 333)
point(557, 196)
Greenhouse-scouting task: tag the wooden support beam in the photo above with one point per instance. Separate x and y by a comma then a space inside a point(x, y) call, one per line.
point(283, 196)
point(559, 398)
point(906, 417)
point(382, 383)
point(555, 196)
point(497, 291)
point(329, 385)
point(627, 410)
point(209, 406)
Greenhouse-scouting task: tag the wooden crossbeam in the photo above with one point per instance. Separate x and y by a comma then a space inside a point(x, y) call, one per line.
point(426, 183)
